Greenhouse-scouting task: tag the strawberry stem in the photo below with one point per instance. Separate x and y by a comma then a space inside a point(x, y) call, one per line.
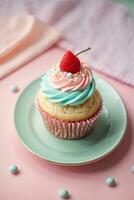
point(83, 51)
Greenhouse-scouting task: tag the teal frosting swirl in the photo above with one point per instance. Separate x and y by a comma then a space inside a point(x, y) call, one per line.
point(69, 97)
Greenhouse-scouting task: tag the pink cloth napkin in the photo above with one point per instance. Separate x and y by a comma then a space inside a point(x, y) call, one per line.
point(21, 39)
point(104, 25)
point(108, 28)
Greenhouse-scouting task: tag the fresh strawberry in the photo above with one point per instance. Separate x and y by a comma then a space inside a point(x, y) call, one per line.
point(70, 63)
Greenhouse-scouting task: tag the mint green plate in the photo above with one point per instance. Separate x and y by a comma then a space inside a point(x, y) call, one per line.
point(105, 136)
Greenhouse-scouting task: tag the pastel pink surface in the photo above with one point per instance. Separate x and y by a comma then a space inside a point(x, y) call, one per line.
point(40, 180)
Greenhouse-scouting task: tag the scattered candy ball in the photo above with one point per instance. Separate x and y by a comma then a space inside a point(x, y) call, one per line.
point(110, 181)
point(13, 169)
point(69, 75)
point(14, 88)
point(132, 169)
point(63, 193)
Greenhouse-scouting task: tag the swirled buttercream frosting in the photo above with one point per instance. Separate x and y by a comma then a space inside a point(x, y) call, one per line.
point(66, 88)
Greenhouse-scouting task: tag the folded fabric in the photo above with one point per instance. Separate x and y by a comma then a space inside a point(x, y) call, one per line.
point(21, 39)
point(104, 25)
point(108, 28)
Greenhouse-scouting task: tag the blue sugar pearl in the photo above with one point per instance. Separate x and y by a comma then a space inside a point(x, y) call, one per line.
point(13, 169)
point(110, 181)
point(14, 88)
point(69, 75)
point(132, 169)
point(63, 193)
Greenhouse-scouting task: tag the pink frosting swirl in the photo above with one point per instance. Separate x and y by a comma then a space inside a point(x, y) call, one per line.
point(79, 81)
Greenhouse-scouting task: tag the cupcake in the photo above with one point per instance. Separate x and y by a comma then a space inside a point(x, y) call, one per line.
point(68, 100)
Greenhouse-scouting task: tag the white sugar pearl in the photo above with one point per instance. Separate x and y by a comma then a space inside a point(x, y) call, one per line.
point(110, 181)
point(63, 193)
point(69, 75)
point(13, 169)
point(14, 88)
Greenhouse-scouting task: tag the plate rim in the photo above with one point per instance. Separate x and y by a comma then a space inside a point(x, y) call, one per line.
point(70, 163)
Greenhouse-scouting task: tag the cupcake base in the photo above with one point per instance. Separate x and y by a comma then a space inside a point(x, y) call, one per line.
point(68, 129)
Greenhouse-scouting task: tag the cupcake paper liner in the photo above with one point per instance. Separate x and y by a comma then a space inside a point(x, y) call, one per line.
point(68, 129)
